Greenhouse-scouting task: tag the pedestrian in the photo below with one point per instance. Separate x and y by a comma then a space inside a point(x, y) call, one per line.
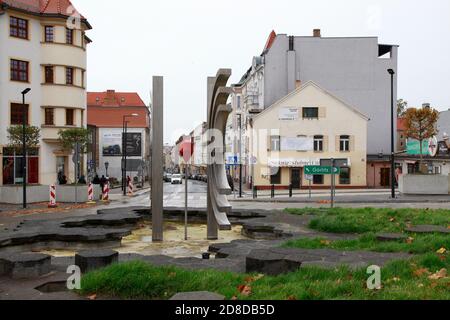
point(103, 181)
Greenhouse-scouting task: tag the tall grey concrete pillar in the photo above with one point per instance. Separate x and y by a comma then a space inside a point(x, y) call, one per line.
point(212, 227)
point(157, 159)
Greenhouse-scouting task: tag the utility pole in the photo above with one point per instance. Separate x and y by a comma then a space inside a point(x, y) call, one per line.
point(24, 147)
point(240, 155)
point(393, 179)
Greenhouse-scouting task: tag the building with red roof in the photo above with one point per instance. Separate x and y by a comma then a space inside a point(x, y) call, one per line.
point(108, 113)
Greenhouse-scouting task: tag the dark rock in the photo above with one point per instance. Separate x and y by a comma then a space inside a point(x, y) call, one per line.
point(262, 231)
point(95, 259)
point(199, 296)
point(391, 237)
point(271, 263)
point(428, 229)
point(25, 265)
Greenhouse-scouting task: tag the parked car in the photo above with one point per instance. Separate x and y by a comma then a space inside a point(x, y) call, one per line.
point(176, 179)
point(167, 177)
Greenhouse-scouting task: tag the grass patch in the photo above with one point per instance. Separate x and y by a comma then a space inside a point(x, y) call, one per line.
point(420, 244)
point(364, 220)
point(400, 280)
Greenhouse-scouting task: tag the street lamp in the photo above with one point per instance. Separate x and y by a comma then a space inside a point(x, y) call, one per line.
point(392, 73)
point(24, 147)
point(124, 150)
point(240, 154)
point(106, 167)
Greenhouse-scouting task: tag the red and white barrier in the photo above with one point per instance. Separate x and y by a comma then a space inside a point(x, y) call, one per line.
point(52, 203)
point(91, 194)
point(130, 188)
point(105, 194)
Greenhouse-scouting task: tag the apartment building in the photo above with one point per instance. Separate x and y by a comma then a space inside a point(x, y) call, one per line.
point(351, 68)
point(43, 46)
point(309, 126)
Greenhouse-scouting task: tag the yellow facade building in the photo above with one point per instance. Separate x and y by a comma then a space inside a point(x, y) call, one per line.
point(309, 126)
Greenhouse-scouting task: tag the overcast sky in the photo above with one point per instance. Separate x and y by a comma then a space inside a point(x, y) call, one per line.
point(187, 40)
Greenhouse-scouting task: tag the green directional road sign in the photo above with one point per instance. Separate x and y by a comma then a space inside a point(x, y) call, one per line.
point(318, 170)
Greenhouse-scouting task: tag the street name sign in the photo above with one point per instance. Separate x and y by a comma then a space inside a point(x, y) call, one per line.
point(319, 170)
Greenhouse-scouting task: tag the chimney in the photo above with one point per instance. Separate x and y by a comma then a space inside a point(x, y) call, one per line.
point(316, 33)
point(426, 105)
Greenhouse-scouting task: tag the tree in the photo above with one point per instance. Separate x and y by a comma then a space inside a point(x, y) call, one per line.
point(15, 137)
point(69, 138)
point(402, 105)
point(420, 124)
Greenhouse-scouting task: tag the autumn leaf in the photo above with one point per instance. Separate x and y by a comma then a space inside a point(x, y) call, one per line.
point(421, 272)
point(292, 298)
point(439, 275)
point(92, 297)
point(441, 251)
point(410, 240)
point(325, 242)
point(245, 290)
point(392, 219)
point(234, 298)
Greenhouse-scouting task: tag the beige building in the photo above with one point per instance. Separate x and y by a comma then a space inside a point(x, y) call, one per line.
point(43, 47)
point(309, 126)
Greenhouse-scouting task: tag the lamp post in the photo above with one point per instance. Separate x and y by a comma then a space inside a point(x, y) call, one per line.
point(240, 154)
point(24, 147)
point(124, 150)
point(392, 73)
point(106, 167)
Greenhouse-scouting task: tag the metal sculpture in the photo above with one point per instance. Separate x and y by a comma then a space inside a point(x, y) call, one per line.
point(218, 188)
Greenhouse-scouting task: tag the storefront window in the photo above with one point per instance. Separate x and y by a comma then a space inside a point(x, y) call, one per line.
point(13, 166)
point(275, 177)
point(344, 177)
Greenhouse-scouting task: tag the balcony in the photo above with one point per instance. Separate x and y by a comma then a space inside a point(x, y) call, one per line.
point(252, 104)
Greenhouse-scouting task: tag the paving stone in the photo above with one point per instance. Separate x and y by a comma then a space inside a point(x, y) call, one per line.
point(428, 229)
point(385, 237)
point(95, 259)
point(270, 263)
point(199, 295)
point(25, 265)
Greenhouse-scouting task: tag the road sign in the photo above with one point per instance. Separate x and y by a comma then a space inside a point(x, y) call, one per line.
point(319, 170)
point(309, 177)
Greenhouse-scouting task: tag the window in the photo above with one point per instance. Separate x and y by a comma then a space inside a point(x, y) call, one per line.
point(49, 34)
point(344, 177)
point(318, 179)
point(82, 78)
point(13, 166)
point(318, 143)
point(49, 74)
point(49, 116)
point(344, 144)
point(18, 28)
point(238, 102)
point(17, 110)
point(19, 70)
point(69, 76)
point(310, 113)
point(69, 117)
point(69, 36)
point(275, 175)
point(275, 143)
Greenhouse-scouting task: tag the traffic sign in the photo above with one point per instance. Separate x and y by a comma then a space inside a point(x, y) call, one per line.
point(319, 170)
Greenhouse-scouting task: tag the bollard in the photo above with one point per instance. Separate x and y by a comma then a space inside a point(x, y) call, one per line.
point(105, 194)
point(91, 194)
point(290, 190)
point(130, 188)
point(272, 191)
point(52, 203)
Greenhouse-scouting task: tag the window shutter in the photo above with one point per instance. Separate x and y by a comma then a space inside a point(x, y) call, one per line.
point(352, 143)
point(338, 143)
point(325, 143)
point(322, 112)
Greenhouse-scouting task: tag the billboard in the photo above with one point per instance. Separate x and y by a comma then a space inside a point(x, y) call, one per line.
point(133, 144)
point(288, 114)
point(429, 147)
point(112, 144)
point(297, 144)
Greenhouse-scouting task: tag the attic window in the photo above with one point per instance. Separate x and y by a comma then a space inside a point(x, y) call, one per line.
point(122, 99)
point(384, 51)
point(97, 99)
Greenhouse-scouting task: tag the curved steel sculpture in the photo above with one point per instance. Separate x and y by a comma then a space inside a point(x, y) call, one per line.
point(218, 188)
